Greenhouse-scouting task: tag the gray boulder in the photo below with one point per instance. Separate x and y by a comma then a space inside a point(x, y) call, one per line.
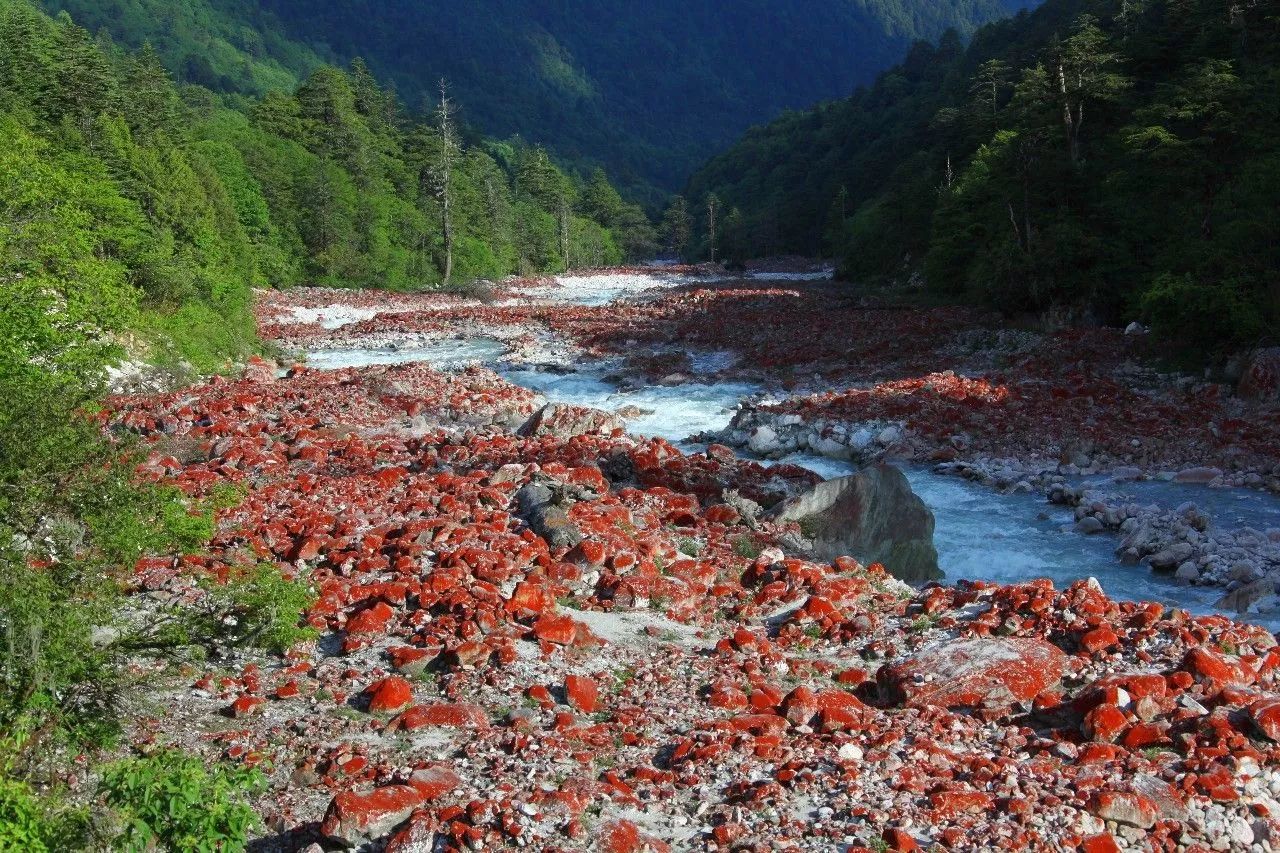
point(872, 516)
point(1241, 598)
point(564, 421)
point(543, 507)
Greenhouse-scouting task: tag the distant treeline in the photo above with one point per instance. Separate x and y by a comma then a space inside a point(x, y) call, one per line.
point(1094, 160)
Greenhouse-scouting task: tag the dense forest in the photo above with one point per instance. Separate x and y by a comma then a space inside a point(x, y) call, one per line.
point(646, 90)
point(136, 217)
point(1095, 160)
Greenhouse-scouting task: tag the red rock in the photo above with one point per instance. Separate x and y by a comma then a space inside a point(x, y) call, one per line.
point(372, 620)
point(1127, 808)
point(899, 840)
point(470, 653)
point(389, 694)
point(458, 716)
point(1265, 714)
point(581, 693)
point(722, 514)
point(434, 782)
point(1205, 664)
point(529, 599)
point(948, 804)
point(985, 674)
point(354, 819)
point(800, 706)
point(246, 706)
point(1099, 639)
point(1103, 842)
point(1105, 723)
point(562, 630)
point(1142, 735)
point(728, 697)
point(852, 677)
point(623, 836)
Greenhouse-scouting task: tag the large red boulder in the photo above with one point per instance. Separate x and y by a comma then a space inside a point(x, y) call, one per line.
point(987, 675)
point(354, 819)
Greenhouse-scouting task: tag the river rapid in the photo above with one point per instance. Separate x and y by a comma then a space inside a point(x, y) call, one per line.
point(981, 533)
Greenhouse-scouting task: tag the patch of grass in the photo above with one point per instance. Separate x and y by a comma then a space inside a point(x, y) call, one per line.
point(689, 546)
point(747, 547)
point(259, 607)
point(923, 623)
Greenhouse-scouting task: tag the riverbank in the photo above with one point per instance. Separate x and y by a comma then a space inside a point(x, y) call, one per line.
point(1078, 417)
point(550, 633)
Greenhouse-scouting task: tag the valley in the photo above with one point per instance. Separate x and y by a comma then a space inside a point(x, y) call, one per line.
point(675, 671)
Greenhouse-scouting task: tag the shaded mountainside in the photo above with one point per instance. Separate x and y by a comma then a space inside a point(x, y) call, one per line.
point(1102, 159)
point(646, 90)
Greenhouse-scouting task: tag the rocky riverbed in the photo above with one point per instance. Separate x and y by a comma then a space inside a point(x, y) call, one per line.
point(539, 630)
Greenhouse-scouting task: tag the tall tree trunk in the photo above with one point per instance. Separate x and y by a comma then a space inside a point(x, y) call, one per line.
point(1068, 121)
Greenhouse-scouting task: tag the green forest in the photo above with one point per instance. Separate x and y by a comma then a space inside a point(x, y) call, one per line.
point(1090, 161)
point(136, 218)
point(695, 75)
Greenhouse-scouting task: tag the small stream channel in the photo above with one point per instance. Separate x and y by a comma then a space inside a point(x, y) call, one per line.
point(980, 533)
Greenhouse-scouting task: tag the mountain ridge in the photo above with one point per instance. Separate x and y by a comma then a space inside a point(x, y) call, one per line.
point(648, 93)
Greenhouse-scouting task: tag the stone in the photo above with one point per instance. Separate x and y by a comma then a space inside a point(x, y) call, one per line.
point(1261, 377)
point(1089, 525)
point(1126, 808)
point(561, 420)
point(889, 435)
point(1187, 573)
point(763, 440)
point(1170, 558)
point(872, 516)
point(1243, 597)
point(389, 694)
point(354, 819)
point(547, 518)
point(581, 693)
point(989, 674)
point(453, 716)
point(1197, 475)
point(1265, 714)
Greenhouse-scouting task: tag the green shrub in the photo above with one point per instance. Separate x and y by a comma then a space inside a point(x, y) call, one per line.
point(34, 825)
point(172, 800)
point(266, 608)
point(258, 607)
point(1203, 319)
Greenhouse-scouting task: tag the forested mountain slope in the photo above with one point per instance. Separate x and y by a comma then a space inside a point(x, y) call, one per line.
point(646, 89)
point(1103, 159)
point(136, 217)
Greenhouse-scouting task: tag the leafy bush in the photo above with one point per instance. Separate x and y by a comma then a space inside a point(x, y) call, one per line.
point(32, 825)
point(174, 801)
point(258, 607)
point(264, 609)
point(1205, 320)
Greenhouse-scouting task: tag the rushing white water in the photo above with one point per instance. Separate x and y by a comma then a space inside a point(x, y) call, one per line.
point(980, 534)
point(443, 355)
point(673, 413)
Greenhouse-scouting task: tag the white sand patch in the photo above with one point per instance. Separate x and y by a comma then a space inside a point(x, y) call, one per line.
point(330, 316)
point(630, 628)
point(819, 275)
